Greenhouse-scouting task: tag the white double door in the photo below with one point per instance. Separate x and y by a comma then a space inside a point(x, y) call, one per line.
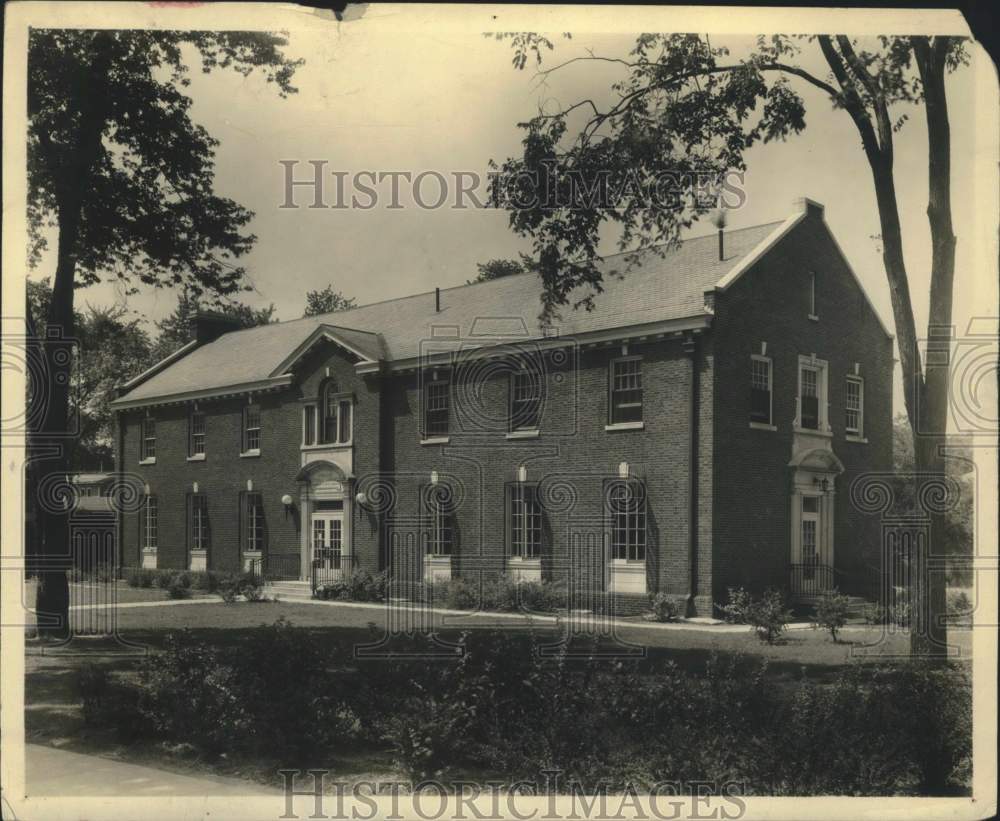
point(328, 540)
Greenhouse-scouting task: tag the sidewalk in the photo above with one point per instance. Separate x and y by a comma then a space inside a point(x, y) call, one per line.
point(52, 772)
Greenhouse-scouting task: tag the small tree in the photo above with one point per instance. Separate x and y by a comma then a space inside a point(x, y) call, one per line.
point(497, 269)
point(768, 616)
point(832, 611)
point(326, 302)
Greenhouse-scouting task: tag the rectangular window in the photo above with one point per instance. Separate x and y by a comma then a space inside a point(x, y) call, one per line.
point(525, 521)
point(626, 390)
point(627, 525)
point(196, 433)
point(809, 398)
point(149, 524)
point(198, 522)
point(251, 428)
point(760, 390)
point(254, 533)
point(148, 444)
point(439, 537)
point(813, 314)
point(436, 407)
point(525, 400)
point(337, 420)
point(309, 425)
point(854, 405)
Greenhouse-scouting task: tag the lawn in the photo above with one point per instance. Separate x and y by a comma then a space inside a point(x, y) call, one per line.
point(54, 716)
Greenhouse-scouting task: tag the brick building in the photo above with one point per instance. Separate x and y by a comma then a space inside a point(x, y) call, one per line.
point(699, 429)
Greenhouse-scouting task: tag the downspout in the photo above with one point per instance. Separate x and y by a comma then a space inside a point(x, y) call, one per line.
point(690, 346)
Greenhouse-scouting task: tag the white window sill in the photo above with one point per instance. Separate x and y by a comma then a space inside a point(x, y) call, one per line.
point(813, 432)
point(327, 446)
point(249, 453)
point(251, 554)
point(524, 434)
point(814, 318)
point(762, 426)
point(521, 561)
point(151, 461)
point(436, 440)
point(852, 437)
point(198, 457)
point(632, 564)
point(625, 426)
point(149, 550)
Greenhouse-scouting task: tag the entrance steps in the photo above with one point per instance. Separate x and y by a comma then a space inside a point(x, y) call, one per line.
point(289, 590)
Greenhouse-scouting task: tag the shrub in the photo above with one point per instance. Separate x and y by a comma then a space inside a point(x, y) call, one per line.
point(179, 587)
point(769, 616)
point(233, 585)
point(959, 604)
point(207, 580)
point(93, 685)
point(737, 610)
point(359, 585)
point(140, 577)
point(663, 608)
point(832, 611)
point(162, 578)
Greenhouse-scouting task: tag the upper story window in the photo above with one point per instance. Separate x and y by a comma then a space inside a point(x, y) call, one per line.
point(854, 406)
point(627, 519)
point(760, 390)
point(251, 429)
point(626, 390)
point(525, 400)
point(811, 413)
point(813, 310)
point(196, 433)
point(437, 402)
point(524, 516)
point(150, 523)
point(309, 425)
point(337, 416)
point(439, 538)
point(198, 528)
point(254, 533)
point(147, 444)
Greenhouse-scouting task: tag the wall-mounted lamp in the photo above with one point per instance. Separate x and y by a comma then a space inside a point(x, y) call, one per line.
point(522, 473)
point(623, 470)
point(361, 498)
point(286, 500)
point(434, 477)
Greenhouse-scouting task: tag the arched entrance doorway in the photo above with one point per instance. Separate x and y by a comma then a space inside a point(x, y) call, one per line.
point(814, 474)
point(325, 505)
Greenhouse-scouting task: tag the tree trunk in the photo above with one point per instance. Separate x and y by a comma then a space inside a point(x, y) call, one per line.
point(56, 437)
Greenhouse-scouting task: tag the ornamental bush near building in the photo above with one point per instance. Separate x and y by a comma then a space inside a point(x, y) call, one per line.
point(832, 611)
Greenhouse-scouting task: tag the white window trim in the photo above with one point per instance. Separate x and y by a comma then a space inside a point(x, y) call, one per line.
point(436, 438)
point(524, 433)
point(245, 428)
point(143, 458)
point(822, 379)
point(859, 434)
point(316, 422)
point(338, 397)
point(511, 429)
point(813, 313)
point(756, 357)
point(146, 519)
point(610, 425)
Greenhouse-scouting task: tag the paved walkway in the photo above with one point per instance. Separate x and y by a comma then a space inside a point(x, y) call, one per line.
point(49, 771)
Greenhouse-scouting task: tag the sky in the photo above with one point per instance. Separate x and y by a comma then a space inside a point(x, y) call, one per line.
point(449, 101)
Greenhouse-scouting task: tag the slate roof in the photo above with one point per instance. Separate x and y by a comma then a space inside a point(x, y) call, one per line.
point(657, 289)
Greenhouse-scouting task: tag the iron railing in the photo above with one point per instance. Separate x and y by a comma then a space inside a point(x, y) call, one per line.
point(329, 566)
point(276, 566)
point(810, 579)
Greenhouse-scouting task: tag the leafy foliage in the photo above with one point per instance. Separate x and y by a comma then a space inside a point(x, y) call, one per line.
point(832, 611)
point(736, 610)
point(503, 705)
point(497, 269)
point(115, 160)
point(663, 608)
point(769, 616)
point(326, 301)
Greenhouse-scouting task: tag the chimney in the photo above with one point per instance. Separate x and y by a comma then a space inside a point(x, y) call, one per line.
point(437, 300)
point(720, 222)
point(206, 326)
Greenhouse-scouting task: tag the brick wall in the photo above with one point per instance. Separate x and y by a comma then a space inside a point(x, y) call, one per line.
point(770, 303)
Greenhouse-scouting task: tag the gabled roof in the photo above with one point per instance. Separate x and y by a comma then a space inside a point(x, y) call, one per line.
point(658, 289)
